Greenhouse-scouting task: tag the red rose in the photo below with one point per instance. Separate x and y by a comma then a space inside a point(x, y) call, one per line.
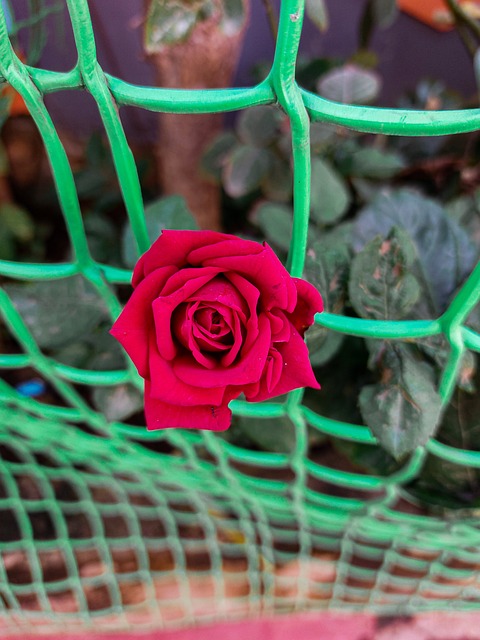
point(213, 316)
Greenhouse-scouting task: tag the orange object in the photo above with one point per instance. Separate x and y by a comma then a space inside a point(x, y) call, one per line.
point(17, 105)
point(435, 13)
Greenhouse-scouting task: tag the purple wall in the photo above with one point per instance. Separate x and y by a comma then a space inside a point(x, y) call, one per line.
point(408, 51)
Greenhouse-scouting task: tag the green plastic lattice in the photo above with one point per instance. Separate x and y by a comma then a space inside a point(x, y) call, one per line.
point(98, 528)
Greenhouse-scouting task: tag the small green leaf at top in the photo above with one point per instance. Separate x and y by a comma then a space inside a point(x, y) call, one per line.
point(403, 409)
point(317, 12)
point(350, 84)
point(330, 196)
point(381, 286)
point(169, 212)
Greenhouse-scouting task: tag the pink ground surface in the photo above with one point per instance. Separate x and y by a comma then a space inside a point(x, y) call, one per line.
point(432, 626)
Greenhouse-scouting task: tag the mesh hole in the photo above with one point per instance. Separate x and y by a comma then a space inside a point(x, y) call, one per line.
point(115, 526)
point(17, 567)
point(43, 526)
point(78, 526)
point(54, 566)
point(10, 529)
point(28, 487)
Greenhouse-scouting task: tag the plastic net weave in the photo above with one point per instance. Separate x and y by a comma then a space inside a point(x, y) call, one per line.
point(98, 529)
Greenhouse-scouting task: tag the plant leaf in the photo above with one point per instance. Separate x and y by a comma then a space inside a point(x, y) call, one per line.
point(169, 22)
point(380, 285)
point(216, 154)
point(317, 12)
point(402, 411)
point(17, 221)
point(326, 267)
point(278, 183)
point(329, 193)
point(58, 312)
point(269, 434)
point(245, 170)
point(376, 164)
point(350, 84)
point(445, 255)
point(259, 126)
point(117, 402)
point(275, 220)
point(170, 212)
point(233, 16)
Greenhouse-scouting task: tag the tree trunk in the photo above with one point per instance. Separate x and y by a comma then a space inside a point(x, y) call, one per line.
point(206, 60)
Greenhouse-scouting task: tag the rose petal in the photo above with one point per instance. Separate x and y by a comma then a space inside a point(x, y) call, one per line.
point(251, 295)
point(172, 248)
point(280, 325)
point(135, 322)
point(296, 373)
point(309, 303)
point(164, 306)
point(231, 247)
point(237, 334)
point(161, 415)
point(221, 290)
point(247, 370)
point(166, 386)
point(265, 271)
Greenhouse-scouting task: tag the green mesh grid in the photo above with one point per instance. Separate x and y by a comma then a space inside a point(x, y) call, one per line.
point(99, 528)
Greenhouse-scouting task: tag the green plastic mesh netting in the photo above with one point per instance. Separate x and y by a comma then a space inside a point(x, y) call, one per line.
point(98, 527)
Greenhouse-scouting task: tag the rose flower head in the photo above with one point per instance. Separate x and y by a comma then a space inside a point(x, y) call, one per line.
point(213, 316)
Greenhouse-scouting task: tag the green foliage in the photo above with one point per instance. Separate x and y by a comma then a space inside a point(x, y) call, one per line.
point(118, 402)
point(169, 212)
point(350, 84)
point(381, 285)
point(317, 11)
point(330, 197)
point(170, 22)
point(16, 228)
point(58, 312)
point(402, 410)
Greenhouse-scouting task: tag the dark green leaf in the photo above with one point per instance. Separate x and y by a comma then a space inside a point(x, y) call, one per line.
point(233, 16)
point(278, 183)
point(58, 312)
point(381, 286)
point(275, 221)
point(402, 410)
point(216, 154)
point(117, 402)
point(17, 221)
point(350, 84)
point(326, 267)
point(170, 212)
point(316, 10)
point(330, 197)
point(445, 255)
point(259, 126)
point(269, 434)
point(323, 344)
point(245, 170)
point(377, 164)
